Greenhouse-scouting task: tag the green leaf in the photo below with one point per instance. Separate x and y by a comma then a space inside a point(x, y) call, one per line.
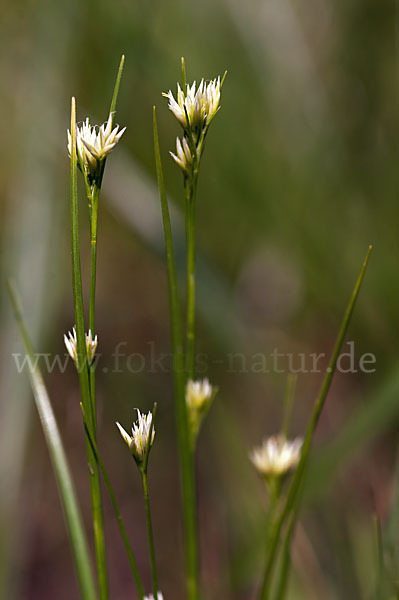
point(60, 464)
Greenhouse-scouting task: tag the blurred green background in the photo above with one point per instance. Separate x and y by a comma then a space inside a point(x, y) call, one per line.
point(299, 175)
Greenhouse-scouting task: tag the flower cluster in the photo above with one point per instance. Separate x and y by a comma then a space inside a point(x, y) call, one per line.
point(276, 456)
point(139, 441)
point(151, 597)
point(194, 109)
point(94, 143)
point(71, 343)
point(199, 396)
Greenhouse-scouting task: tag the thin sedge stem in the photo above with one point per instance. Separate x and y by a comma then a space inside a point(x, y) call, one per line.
point(76, 269)
point(185, 457)
point(274, 488)
point(115, 506)
point(190, 233)
point(144, 479)
point(95, 479)
point(285, 566)
point(95, 487)
point(150, 534)
point(83, 370)
point(62, 472)
point(288, 403)
point(92, 301)
point(293, 492)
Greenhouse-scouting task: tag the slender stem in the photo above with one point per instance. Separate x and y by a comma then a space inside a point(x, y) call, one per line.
point(185, 455)
point(83, 370)
point(62, 473)
point(115, 506)
point(76, 269)
point(190, 233)
point(150, 533)
point(92, 302)
point(274, 488)
point(95, 485)
point(286, 556)
point(288, 403)
point(293, 492)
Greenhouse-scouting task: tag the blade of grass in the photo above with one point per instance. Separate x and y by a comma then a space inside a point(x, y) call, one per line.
point(293, 492)
point(60, 464)
point(185, 455)
point(115, 506)
point(116, 87)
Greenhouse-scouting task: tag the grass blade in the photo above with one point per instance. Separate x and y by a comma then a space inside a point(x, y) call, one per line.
point(57, 453)
point(117, 85)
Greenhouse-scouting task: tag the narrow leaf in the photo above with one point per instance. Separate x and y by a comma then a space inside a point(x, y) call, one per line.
point(60, 464)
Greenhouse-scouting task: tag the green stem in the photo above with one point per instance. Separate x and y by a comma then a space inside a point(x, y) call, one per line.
point(150, 533)
point(286, 557)
point(92, 302)
point(190, 188)
point(95, 479)
point(115, 506)
point(293, 492)
point(76, 270)
point(60, 464)
point(83, 369)
point(185, 455)
point(288, 403)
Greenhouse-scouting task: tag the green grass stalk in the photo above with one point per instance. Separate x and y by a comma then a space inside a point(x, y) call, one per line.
point(83, 370)
point(190, 189)
point(185, 455)
point(150, 534)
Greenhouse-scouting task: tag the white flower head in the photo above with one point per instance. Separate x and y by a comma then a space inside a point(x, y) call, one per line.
point(198, 393)
point(183, 156)
point(197, 106)
point(94, 143)
point(199, 396)
point(151, 597)
point(71, 343)
point(139, 440)
point(277, 455)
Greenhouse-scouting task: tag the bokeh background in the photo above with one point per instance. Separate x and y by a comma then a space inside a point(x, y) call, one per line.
point(300, 174)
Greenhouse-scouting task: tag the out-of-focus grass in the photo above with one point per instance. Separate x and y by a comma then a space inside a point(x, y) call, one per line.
point(299, 175)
